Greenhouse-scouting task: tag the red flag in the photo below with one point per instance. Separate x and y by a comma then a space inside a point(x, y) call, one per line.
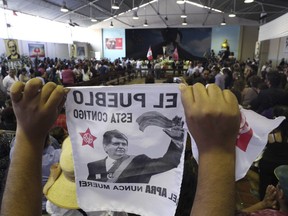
point(149, 54)
point(175, 55)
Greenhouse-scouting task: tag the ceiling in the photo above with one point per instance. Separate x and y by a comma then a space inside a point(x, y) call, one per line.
point(159, 14)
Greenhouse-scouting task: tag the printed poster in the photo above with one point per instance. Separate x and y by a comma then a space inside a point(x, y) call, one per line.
point(114, 43)
point(286, 45)
point(12, 49)
point(36, 50)
point(73, 49)
point(128, 147)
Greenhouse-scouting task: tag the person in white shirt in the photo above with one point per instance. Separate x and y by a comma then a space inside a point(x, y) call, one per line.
point(9, 80)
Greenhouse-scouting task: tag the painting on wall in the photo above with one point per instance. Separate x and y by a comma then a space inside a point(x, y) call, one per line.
point(80, 51)
point(12, 51)
point(114, 43)
point(286, 45)
point(73, 53)
point(36, 50)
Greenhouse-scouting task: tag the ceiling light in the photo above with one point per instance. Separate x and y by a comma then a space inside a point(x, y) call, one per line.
point(184, 22)
point(115, 6)
point(180, 1)
point(64, 8)
point(135, 15)
point(183, 15)
point(145, 23)
point(111, 25)
point(248, 1)
point(93, 20)
point(232, 14)
point(223, 22)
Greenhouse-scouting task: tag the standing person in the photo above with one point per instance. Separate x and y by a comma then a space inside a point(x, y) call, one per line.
point(12, 48)
point(86, 74)
point(23, 77)
point(33, 108)
point(68, 77)
point(138, 68)
point(157, 69)
point(9, 80)
point(219, 78)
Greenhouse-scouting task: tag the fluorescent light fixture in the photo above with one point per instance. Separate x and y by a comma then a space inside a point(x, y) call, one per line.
point(223, 23)
point(93, 20)
point(203, 6)
point(248, 1)
point(183, 15)
point(145, 23)
point(184, 22)
point(115, 6)
point(232, 14)
point(64, 8)
point(180, 1)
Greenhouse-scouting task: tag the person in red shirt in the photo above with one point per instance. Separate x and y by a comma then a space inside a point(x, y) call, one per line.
point(68, 76)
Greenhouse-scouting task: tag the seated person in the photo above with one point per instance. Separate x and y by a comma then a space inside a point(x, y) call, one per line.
point(275, 196)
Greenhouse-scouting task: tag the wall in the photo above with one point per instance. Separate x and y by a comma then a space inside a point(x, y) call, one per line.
point(276, 51)
point(248, 39)
point(275, 29)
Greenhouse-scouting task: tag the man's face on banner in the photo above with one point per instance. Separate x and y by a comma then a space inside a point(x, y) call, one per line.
point(12, 47)
point(117, 148)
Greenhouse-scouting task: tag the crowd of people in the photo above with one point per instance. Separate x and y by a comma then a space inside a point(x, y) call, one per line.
point(228, 83)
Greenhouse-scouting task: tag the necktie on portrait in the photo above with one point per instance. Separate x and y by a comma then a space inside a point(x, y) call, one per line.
point(115, 165)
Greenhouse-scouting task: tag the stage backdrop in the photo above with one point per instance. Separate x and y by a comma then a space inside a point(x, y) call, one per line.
point(191, 43)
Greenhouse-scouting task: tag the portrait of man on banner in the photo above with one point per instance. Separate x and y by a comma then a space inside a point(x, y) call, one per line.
point(80, 51)
point(73, 49)
point(120, 167)
point(12, 50)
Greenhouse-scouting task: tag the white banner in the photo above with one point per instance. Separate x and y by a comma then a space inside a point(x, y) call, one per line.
point(252, 139)
point(128, 146)
point(139, 130)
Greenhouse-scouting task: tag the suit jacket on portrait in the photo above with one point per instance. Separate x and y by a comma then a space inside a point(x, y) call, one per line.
point(140, 169)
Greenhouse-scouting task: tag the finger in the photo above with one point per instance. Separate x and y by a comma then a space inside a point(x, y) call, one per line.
point(183, 81)
point(199, 92)
point(56, 98)
point(214, 92)
point(187, 97)
point(47, 89)
point(32, 87)
point(230, 98)
point(16, 91)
